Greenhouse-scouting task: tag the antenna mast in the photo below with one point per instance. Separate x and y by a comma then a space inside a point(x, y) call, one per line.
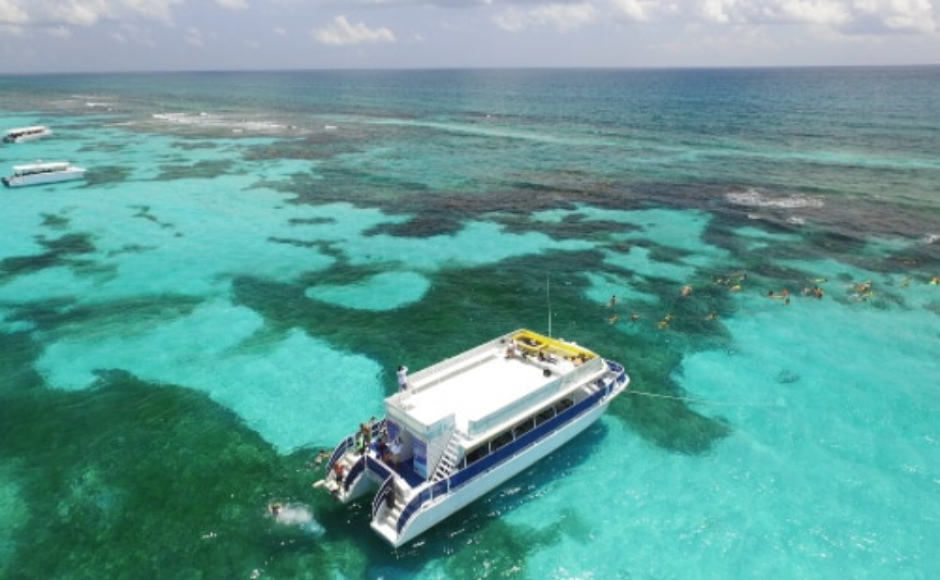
point(548, 296)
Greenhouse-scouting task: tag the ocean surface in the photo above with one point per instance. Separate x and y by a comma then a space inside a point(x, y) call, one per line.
point(253, 254)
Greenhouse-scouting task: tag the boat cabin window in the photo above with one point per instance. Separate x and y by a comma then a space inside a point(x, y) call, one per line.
point(503, 439)
point(477, 454)
point(523, 428)
point(563, 405)
point(544, 416)
point(516, 431)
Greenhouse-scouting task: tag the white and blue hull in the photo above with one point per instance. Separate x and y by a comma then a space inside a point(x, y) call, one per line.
point(440, 509)
point(25, 134)
point(43, 178)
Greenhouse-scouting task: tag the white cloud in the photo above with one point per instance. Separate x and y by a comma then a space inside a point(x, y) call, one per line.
point(12, 30)
point(82, 12)
point(12, 12)
point(195, 37)
point(851, 16)
point(605, 32)
point(846, 16)
point(718, 11)
point(342, 32)
point(59, 32)
point(562, 16)
point(901, 15)
point(130, 33)
point(512, 20)
point(826, 12)
point(233, 4)
point(641, 10)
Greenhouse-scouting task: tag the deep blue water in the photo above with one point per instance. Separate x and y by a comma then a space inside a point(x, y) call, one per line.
point(252, 254)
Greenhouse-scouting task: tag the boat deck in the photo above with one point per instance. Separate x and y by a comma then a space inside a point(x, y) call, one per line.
point(481, 386)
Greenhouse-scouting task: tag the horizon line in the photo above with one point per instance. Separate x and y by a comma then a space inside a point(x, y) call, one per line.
point(471, 68)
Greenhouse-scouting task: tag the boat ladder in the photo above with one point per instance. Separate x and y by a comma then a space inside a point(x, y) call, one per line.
point(388, 516)
point(449, 459)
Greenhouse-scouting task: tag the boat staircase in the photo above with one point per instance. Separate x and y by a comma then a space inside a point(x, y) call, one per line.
point(385, 513)
point(449, 460)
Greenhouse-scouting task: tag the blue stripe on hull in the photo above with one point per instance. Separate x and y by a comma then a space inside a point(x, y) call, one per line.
point(497, 459)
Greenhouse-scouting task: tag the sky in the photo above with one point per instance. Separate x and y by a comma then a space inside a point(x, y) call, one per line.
point(40, 36)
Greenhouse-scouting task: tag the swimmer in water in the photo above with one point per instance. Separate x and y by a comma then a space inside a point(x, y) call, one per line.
point(296, 514)
point(863, 287)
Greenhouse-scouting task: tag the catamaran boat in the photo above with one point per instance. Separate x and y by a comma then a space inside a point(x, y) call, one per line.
point(39, 173)
point(21, 134)
point(465, 425)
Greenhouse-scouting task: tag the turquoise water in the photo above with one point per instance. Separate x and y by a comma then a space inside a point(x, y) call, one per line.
point(253, 255)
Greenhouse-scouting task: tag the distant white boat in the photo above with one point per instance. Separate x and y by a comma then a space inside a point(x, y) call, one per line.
point(39, 173)
point(21, 134)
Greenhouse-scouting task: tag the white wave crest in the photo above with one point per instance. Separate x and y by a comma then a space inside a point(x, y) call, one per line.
point(218, 121)
point(754, 198)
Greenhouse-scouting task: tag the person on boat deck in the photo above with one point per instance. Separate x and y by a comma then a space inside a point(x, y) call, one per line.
point(395, 450)
point(365, 436)
point(402, 378)
point(511, 348)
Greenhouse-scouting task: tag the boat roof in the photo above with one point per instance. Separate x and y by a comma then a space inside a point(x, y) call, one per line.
point(480, 390)
point(27, 129)
point(48, 165)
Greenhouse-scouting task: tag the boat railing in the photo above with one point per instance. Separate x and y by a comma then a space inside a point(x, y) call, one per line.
point(338, 452)
point(614, 366)
point(354, 472)
point(386, 488)
point(377, 427)
point(438, 489)
point(621, 375)
point(378, 467)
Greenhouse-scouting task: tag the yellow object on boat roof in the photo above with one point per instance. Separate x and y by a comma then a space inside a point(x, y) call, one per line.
point(533, 342)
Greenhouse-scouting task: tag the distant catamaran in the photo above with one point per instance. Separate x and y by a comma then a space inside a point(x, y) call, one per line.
point(39, 173)
point(465, 425)
point(22, 134)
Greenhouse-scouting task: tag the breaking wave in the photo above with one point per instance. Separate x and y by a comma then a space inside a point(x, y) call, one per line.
point(212, 120)
point(754, 198)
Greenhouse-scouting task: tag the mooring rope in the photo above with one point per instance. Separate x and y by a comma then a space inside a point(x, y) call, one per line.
point(703, 401)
